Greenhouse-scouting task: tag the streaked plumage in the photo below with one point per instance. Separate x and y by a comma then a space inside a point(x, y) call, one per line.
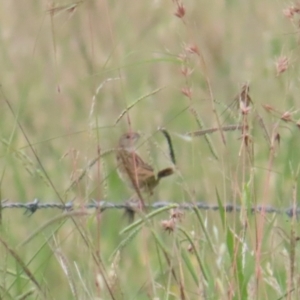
point(132, 169)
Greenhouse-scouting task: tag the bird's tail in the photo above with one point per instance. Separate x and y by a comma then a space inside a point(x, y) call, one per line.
point(165, 172)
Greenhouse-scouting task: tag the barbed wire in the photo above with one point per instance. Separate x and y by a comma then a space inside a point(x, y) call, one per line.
point(32, 207)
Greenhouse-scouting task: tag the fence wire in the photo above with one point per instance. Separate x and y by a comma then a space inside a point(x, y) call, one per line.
point(35, 205)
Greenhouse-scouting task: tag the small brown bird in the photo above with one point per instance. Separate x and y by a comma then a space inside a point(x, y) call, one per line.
point(133, 170)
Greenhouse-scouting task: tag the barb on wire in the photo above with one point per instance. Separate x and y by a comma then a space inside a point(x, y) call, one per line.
point(32, 207)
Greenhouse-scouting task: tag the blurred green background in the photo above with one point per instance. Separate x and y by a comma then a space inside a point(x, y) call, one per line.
point(69, 70)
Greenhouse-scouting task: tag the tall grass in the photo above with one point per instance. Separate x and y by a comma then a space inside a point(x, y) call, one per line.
point(75, 76)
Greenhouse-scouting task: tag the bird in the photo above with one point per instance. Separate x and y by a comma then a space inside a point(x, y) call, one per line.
point(133, 170)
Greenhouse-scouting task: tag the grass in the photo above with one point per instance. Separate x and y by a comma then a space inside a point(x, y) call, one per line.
point(75, 76)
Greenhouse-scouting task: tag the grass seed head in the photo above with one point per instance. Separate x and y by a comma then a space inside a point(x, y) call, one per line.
point(180, 11)
point(282, 65)
point(287, 117)
point(168, 225)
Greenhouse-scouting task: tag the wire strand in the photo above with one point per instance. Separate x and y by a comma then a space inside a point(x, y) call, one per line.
point(32, 207)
